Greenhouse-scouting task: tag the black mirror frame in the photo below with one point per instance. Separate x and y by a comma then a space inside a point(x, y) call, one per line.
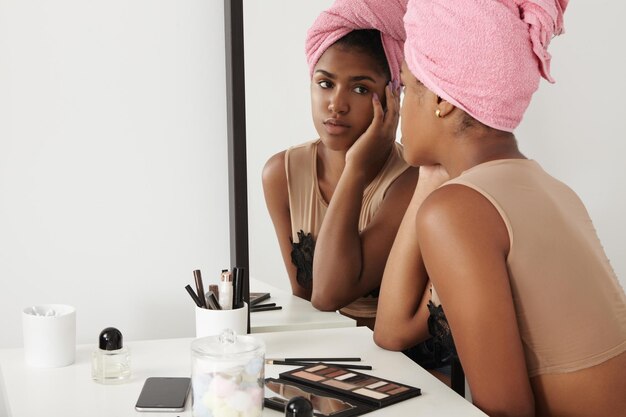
point(236, 128)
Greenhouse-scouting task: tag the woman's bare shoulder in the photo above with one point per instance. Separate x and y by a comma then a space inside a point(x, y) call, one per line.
point(274, 169)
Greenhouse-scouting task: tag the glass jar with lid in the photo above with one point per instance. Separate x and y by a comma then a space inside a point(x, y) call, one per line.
point(227, 375)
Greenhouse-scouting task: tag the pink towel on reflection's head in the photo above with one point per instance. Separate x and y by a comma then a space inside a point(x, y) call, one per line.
point(344, 16)
point(484, 56)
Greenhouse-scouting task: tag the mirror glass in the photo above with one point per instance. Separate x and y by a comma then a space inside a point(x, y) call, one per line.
point(569, 127)
point(278, 113)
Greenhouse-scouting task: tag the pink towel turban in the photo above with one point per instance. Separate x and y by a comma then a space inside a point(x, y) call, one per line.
point(483, 56)
point(344, 16)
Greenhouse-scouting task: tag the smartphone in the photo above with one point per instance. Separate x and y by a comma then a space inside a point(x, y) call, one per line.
point(163, 394)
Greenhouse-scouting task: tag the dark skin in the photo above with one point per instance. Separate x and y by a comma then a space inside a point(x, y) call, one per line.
point(471, 275)
point(348, 93)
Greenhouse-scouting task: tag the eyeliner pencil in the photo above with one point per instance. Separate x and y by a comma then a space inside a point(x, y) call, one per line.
point(193, 295)
point(255, 309)
point(238, 273)
point(262, 305)
point(199, 287)
point(212, 302)
point(318, 359)
point(336, 365)
point(235, 275)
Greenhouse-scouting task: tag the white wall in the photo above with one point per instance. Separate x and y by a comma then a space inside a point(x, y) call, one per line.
point(113, 178)
point(574, 128)
point(113, 170)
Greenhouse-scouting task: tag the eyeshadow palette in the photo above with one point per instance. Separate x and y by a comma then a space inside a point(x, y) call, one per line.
point(350, 385)
point(278, 392)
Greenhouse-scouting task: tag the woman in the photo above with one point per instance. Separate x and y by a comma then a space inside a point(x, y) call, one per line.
point(536, 312)
point(341, 197)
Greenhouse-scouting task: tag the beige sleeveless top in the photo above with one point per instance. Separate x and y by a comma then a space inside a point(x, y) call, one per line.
point(308, 208)
point(571, 309)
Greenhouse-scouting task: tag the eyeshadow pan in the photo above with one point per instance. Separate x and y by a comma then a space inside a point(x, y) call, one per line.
point(316, 368)
point(326, 371)
point(357, 378)
point(346, 376)
point(370, 393)
point(398, 391)
point(339, 384)
point(336, 373)
point(388, 388)
point(369, 381)
point(308, 376)
point(378, 384)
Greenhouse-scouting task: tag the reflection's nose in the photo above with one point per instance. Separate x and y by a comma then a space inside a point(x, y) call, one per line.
point(338, 104)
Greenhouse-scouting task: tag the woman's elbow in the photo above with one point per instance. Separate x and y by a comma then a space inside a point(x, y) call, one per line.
point(387, 340)
point(324, 303)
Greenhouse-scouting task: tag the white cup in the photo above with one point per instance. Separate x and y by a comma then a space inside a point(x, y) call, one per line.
point(49, 335)
point(213, 322)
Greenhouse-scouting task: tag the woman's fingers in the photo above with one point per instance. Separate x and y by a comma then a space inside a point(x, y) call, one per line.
point(392, 115)
point(379, 113)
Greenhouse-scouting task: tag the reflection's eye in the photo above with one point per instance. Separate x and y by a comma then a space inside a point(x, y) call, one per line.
point(359, 89)
point(325, 84)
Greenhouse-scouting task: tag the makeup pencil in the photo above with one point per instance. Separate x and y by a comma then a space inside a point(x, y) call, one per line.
point(211, 301)
point(238, 273)
point(236, 277)
point(318, 359)
point(199, 287)
point(262, 305)
point(214, 288)
point(193, 295)
point(336, 365)
point(256, 309)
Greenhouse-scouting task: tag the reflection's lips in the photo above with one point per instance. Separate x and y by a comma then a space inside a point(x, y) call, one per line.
point(336, 126)
point(335, 122)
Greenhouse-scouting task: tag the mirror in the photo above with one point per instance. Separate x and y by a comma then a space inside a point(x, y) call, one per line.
point(570, 127)
point(278, 113)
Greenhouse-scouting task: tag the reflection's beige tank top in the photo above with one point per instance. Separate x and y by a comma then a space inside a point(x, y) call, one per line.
point(571, 309)
point(308, 208)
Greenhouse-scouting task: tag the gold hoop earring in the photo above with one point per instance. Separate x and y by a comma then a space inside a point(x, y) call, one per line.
point(438, 113)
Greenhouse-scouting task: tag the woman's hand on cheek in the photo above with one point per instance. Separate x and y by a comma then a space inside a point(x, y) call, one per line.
point(375, 143)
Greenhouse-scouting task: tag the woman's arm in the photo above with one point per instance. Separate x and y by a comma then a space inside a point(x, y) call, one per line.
point(401, 320)
point(465, 243)
point(277, 201)
point(348, 264)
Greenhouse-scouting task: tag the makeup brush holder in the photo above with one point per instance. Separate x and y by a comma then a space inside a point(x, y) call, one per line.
point(214, 322)
point(49, 335)
point(227, 376)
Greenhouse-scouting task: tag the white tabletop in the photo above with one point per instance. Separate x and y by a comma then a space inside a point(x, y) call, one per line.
point(297, 314)
point(70, 392)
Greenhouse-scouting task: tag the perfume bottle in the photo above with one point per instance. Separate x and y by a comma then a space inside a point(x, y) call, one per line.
point(110, 363)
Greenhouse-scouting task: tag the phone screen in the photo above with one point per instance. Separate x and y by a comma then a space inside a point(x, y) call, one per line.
point(163, 394)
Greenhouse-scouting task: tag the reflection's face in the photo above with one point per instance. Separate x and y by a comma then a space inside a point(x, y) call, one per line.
point(341, 95)
point(416, 119)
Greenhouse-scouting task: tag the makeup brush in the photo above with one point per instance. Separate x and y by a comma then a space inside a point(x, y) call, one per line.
point(317, 359)
point(299, 363)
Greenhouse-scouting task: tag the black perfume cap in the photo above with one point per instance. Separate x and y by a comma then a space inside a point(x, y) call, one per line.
point(110, 339)
point(299, 407)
